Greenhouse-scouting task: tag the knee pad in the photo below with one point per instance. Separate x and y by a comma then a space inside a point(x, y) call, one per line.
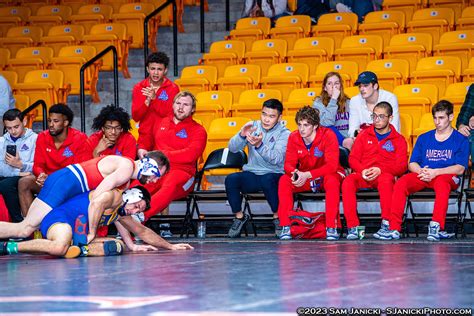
point(112, 248)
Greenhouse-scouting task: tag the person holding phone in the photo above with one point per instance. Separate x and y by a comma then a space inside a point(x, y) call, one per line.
point(17, 149)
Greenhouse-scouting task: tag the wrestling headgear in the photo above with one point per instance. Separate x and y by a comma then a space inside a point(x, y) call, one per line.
point(148, 167)
point(135, 195)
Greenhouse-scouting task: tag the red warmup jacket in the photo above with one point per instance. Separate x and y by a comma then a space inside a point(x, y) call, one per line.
point(390, 154)
point(182, 143)
point(320, 160)
point(125, 146)
point(49, 159)
point(160, 107)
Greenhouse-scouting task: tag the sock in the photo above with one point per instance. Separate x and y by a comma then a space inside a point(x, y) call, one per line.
point(12, 247)
point(84, 251)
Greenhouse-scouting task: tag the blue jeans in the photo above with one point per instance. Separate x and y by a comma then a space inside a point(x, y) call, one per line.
point(249, 182)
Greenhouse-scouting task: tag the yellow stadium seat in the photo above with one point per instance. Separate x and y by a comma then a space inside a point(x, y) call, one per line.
point(456, 93)
point(13, 16)
point(47, 85)
point(286, 77)
point(426, 124)
point(361, 49)
point(416, 99)
point(115, 4)
point(406, 129)
point(103, 35)
point(197, 79)
point(468, 73)
point(76, 4)
point(351, 91)
point(10, 76)
point(250, 30)
point(224, 53)
point(135, 126)
point(4, 57)
point(434, 21)
point(211, 105)
point(221, 131)
point(383, 23)
point(349, 70)
point(390, 72)
point(266, 53)
point(92, 14)
point(251, 101)
point(438, 70)
point(466, 21)
point(51, 15)
point(70, 61)
point(299, 98)
point(21, 36)
point(166, 15)
point(22, 102)
point(312, 51)
point(291, 28)
point(336, 25)
point(238, 78)
point(133, 16)
point(456, 5)
point(410, 46)
point(63, 35)
point(456, 43)
point(406, 6)
point(289, 122)
point(30, 58)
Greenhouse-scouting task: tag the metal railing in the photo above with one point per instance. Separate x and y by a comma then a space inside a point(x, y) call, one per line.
point(82, 92)
point(43, 108)
point(175, 34)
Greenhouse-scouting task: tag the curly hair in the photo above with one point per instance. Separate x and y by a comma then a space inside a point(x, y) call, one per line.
point(308, 113)
point(159, 58)
point(112, 113)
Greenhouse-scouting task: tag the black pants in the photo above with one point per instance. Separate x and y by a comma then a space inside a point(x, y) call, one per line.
point(9, 192)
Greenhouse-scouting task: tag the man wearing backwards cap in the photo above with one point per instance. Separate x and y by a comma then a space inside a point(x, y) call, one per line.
point(101, 173)
point(362, 105)
point(68, 223)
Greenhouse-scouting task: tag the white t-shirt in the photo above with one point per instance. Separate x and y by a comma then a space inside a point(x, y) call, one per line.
point(360, 114)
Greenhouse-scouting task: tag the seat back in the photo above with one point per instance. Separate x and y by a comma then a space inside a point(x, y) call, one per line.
point(408, 7)
point(390, 72)
point(251, 101)
point(250, 30)
point(312, 51)
point(349, 71)
point(456, 43)
point(197, 78)
point(10, 76)
point(211, 105)
point(299, 98)
point(435, 21)
point(230, 46)
point(456, 94)
point(439, 70)
point(224, 53)
point(383, 23)
point(336, 25)
point(361, 49)
point(61, 11)
point(21, 36)
point(406, 128)
point(133, 16)
point(90, 15)
point(466, 22)
point(286, 77)
point(410, 46)
point(291, 28)
point(30, 58)
point(63, 35)
point(416, 99)
point(238, 78)
point(221, 131)
point(289, 122)
point(266, 53)
point(13, 16)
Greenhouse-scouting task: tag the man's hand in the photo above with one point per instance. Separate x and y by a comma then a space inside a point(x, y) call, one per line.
point(302, 177)
point(471, 122)
point(141, 153)
point(24, 173)
point(427, 174)
point(335, 93)
point(13, 161)
point(464, 129)
point(103, 144)
point(255, 141)
point(41, 178)
point(143, 248)
point(371, 174)
point(247, 129)
point(150, 94)
point(181, 247)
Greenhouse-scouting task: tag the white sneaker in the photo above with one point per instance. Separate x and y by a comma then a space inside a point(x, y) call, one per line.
point(341, 7)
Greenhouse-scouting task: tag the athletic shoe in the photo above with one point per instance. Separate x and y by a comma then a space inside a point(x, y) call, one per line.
point(352, 233)
point(341, 7)
point(276, 223)
point(285, 233)
point(165, 231)
point(237, 225)
point(79, 237)
point(3, 248)
point(73, 252)
point(332, 234)
point(387, 234)
point(384, 227)
point(435, 234)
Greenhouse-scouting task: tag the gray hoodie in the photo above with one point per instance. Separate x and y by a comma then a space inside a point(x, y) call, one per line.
point(270, 156)
point(25, 146)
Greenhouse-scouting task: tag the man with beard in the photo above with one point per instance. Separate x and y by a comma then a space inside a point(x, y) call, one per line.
point(100, 174)
point(56, 148)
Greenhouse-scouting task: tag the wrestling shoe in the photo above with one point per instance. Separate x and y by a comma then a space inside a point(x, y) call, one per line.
point(165, 231)
point(332, 234)
point(79, 237)
point(384, 227)
point(3, 248)
point(276, 223)
point(387, 234)
point(352, 233)
point(285, 233)
point(435, 234)
point(73, 252)
point(237, 225)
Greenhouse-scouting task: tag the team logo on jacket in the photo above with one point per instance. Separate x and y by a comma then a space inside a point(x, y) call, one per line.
point(388, 146)
point(67, 152)
point(272, 139)
point(318, 153)
point(163, 96)
point(118, 152)
point(182, 134)
point(24, 147)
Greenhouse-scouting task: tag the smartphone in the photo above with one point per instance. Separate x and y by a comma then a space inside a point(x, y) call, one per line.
point(295, 176)
point(11, 149)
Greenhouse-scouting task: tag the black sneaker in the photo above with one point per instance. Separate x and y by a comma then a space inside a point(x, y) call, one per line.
point(3, 248)
point(276, 223)
point(237, 226)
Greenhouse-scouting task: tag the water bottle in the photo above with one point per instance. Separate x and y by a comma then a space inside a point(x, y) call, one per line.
point(201, 229)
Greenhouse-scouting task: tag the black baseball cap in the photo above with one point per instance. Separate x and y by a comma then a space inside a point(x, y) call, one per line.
point(366, 77)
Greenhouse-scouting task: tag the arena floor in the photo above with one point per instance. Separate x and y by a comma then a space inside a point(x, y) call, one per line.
point(250, 276)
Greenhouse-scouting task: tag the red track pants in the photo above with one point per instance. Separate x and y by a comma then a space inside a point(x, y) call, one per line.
point(383, 183)
point(331, 185)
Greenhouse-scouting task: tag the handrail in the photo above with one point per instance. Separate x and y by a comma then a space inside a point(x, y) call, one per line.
point(203, 48)
point(175, 33)
point(227, 16)
point(45, 112)
point(82, 93)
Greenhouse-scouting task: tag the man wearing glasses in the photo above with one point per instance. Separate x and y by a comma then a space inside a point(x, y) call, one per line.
point(378, 156)
point(112, 136)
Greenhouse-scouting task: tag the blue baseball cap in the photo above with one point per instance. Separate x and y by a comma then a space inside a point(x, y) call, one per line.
point(366, 77)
